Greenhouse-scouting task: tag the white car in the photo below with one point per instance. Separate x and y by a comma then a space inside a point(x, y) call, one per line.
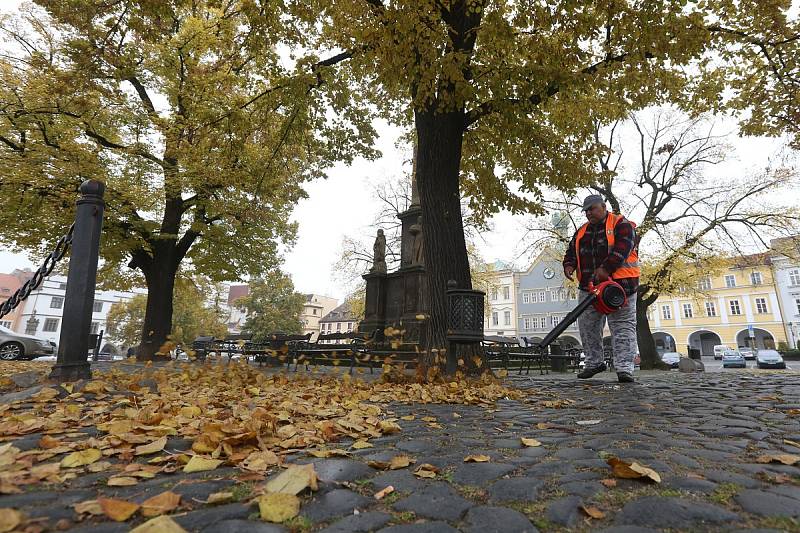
point(671, 358)
point(769, 359)
point(747, 352)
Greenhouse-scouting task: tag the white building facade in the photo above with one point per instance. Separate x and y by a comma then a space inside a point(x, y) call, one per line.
point(43, 310)
point(786, 274)
point(501, 309)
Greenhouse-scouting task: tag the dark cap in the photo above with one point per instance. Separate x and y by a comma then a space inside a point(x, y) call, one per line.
point(592, 199)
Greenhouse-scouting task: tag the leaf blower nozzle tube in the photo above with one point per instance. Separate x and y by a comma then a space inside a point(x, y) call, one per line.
point(606, 297)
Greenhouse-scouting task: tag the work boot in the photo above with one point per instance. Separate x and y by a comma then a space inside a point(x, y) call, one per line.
point(587, 372)
point(625, 377)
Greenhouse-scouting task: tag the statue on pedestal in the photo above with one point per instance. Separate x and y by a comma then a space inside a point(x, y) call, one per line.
point(417, 246)
point(379, 254)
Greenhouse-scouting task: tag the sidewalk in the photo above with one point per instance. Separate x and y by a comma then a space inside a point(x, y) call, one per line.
point(705, 436)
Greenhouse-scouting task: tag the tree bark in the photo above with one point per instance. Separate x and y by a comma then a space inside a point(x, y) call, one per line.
point(647, 344)
point(157, 327)
point(439, 147)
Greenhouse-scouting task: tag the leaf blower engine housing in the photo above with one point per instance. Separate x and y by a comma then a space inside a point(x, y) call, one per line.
point(609, 296)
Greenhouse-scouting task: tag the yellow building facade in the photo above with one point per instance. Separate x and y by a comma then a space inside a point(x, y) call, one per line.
point(738, 307)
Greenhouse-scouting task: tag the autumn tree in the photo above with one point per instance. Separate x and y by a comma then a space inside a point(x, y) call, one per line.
point(194, 314)
point(502, 96)
point(758, 46)
point(657, 169)
point(272, 306)
point(202, 132)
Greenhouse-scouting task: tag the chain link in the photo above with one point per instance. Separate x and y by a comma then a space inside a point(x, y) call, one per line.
point(39, 276)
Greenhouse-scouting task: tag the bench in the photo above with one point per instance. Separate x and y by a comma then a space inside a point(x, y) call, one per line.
point(280, 347)
point(333, 349)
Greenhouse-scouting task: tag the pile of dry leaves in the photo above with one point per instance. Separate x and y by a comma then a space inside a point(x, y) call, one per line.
point(233, 415)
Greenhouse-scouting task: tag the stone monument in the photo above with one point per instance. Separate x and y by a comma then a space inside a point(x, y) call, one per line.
point(399, 299)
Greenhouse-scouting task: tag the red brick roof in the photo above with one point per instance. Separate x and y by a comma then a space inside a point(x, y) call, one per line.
point(237, 291)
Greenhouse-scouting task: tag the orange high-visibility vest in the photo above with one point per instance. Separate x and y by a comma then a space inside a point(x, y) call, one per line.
point(629, 268)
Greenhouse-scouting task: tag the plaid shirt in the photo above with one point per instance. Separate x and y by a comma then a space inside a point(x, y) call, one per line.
point(594, 253)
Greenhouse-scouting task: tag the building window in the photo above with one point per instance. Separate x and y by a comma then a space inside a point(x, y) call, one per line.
point(526, 323)
point(314, 311)
point(542, 296)
point(506, 292)
point(761, 305)
point(62, 286)
point(711, 309)
point(730, 280)
point(526, 298)
point(97, 307)
point(50, 325)
point(507, 318)
point(554, 320)
point(494, 293)
point(338, 326)
point(755, 278)
point(495, 319)
point(94, 328)
point(666, 312)
point(687, 311)
point(349, 326)
point(573, 294)
point(5, 324)
point(794, 277)
point(797, 305)
point(704, 284)
point(735, 309)
point(56, 302)
point(543, 322)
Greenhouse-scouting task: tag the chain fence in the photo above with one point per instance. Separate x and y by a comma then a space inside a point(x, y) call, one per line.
point(40, 275)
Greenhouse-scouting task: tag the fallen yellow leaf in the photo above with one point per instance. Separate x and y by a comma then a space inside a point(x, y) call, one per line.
point(91, 507)
point(783, 458)
point(117, 510)
point(260, 461)
point(593, 512)
point(154, 447)
point(634, 470)
point(81, 458)
point(477, 458)
point(96, 387)
point(160, 504)
point(190, 411)
point(122, 481)
point(9, 519)
point(400, 461)
point(278, 506)
point(530, 442)
point(201, 464)
point(381, 493)
point(219, 497)
point(161, 524)
point(426, 470)
point(294, 480)
point(361, 444)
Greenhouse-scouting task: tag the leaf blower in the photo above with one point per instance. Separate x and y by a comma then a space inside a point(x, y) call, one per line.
point(606, 297)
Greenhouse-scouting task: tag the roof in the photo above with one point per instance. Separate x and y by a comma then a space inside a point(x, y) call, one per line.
point(8, 281)
point(751, 260)
point(343, 313)
point(237, 291)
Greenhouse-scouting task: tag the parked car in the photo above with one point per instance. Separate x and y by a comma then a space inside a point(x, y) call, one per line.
point(733, 359)
point(747, 352)
point(671, 358)
point(720, 349)
point(769, 359)
point(15, 346)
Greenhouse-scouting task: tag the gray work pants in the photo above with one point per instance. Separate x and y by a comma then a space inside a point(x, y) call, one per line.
point(622, 324)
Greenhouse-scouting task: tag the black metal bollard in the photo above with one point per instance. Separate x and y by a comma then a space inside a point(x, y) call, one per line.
point(73, 346)
point(464, 321)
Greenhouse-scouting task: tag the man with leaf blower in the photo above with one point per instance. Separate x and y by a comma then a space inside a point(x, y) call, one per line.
point(604, 249)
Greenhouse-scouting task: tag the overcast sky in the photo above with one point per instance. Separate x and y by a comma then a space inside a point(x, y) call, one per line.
point(343, 205)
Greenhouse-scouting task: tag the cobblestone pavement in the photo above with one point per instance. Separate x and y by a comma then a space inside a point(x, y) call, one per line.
point(701, 433)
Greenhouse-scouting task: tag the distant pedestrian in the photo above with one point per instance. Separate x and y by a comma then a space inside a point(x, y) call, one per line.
point(605, 248)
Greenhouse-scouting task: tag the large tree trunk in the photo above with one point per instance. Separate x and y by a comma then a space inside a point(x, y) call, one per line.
point(157, 327)
point(644, 337)
point(439, 145)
